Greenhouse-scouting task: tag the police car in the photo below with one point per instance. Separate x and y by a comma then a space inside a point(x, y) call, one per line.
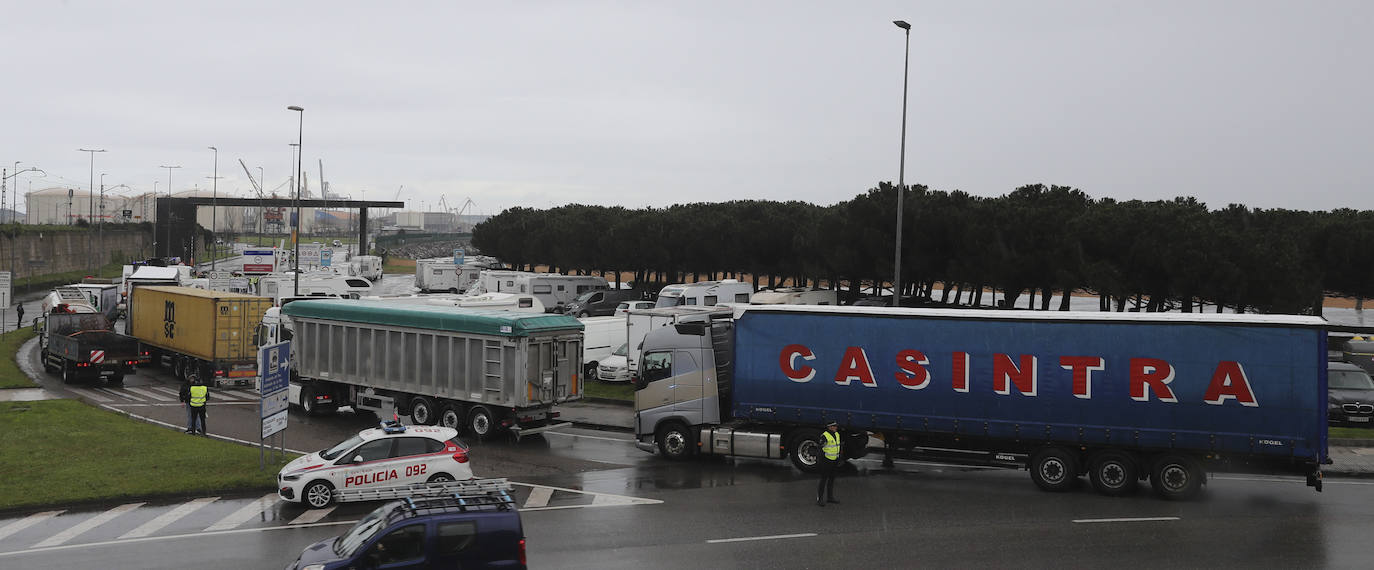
point(393, 454)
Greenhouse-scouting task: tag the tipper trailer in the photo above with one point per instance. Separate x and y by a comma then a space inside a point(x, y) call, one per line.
point(1120, 397)
point(472, 370)
point(198, 333)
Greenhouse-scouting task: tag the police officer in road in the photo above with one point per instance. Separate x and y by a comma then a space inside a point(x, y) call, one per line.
point(829, 464)
point(200, 394)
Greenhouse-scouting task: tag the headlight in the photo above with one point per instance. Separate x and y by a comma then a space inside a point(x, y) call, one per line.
point(292, 477)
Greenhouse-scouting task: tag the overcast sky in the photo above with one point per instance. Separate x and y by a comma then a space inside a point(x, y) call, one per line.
point(655, 103)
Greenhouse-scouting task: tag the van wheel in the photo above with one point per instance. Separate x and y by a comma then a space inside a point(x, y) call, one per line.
point(450, 418)
point(480, 422)
point(583, 315)
point(422, 411)
point(318, 495)
point(805, 450)
point(1113, 473)
point(675, 441)
point(453, 290)
point(1054, 469)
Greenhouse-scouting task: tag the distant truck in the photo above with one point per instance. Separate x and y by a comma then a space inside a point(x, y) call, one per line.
point(198, 333)
point(705, 293)
point(103, 296)
point(472, 370)
point(795, 296)
point(81, 346)
point(1121, 397)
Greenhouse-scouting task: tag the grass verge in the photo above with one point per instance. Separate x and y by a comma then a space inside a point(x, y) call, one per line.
point(59, 452)
point(1349, 433)
point(10, 374)
point(609, 390)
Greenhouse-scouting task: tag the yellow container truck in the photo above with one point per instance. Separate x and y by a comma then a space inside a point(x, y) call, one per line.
point(198, 333)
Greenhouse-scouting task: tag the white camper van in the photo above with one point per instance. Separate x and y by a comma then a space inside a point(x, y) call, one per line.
point(704, 293)
point(313, 284)
point(437, 276)
point(794, 296)
point(368, 267)
point(600, 336)
point(556, 291)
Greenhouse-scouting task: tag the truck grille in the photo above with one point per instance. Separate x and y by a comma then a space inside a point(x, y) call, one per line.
point(1357, 408)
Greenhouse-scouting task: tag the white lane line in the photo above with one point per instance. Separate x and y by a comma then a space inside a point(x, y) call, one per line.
point(749, 538)
point(94, 395)
point(1136, 519)
point(312, 515)
point(86, 525)
point(147, 394)
point(244, 514)
point(27, 522)
point(168, 517)
point(609, 499)
point(539, 497)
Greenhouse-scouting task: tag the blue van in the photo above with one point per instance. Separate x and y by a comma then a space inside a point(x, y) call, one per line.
point(430, 532)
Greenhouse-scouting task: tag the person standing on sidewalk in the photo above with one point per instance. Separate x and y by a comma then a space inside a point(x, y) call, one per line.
point(200, 395)
point(19, 310)
point(829, 463)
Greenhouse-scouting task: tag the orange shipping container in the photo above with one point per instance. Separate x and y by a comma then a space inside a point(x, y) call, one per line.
point(214, 326)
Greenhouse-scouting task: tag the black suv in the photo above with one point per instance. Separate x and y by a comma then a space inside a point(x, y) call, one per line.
point(433, 532)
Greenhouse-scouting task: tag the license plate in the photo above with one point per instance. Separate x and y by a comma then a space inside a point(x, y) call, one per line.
point(1363, 419)
point(111, 373)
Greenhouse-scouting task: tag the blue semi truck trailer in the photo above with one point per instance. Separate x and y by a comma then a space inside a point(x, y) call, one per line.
point(1119, 397)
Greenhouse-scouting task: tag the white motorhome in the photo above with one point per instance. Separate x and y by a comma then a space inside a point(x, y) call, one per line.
point(432, 275)
point(794, 296)
point(313, 284)
point(600, 337)
point(487, 301)
point(367, 266)
point(704, 293)
point(555, 290)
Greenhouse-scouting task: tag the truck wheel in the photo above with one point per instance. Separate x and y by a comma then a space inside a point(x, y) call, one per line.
point(1176, 477)
point(1113, 473)
point(308, 402)
point(805, 450)
point(422, 411)
point(449, 417)
point(480, 423)
point(116, 380)
point(179, 368)
point(68, 373)
point(47, 366)
point(317, 495)
point(675, 441)
point(1054, 469)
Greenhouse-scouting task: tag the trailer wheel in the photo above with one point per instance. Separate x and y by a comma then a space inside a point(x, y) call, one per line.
point(1054, 469)
point(805, 450)
point(449, 417)
point(318, 494)
point(68, 373)
point(422, 411)
point(116, 380)
point(480, 422)
point(308, 404)
point(1176, 477)
point(675, 441)
point(1113, 473)
point(179, 368)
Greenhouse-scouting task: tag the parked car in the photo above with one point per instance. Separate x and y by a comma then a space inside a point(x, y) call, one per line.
point(463, 531)
point(600, 303)
point(378, 457)
point(1349, 395)
point(624, 308)
point(614, 368)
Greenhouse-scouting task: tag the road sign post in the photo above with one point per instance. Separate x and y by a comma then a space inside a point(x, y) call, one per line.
point(6, 296)
point(274, 371)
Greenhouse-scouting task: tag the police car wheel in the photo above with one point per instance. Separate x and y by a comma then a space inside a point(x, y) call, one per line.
point(440, 478)
point(318, 495)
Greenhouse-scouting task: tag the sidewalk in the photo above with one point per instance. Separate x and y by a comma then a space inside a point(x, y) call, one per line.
point(1349, 458)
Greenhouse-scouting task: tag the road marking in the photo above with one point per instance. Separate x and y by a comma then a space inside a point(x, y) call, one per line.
point(168, 517)
point(598, 499)
point(1137, 519)
point(539, 497)
point(94, 395)
point(200, 534)
point(242, 394)
point(146, 393)
point(242, 515)
point(86, 525)
point(27, 522)
point(773, 537)
point(163, 390)
point(313, 515)
point(112, 393)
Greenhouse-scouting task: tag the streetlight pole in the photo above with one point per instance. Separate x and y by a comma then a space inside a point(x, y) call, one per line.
point(90, 193)
point(101, 228)
point(901, 173)
point(300, 150)
point(214, 212)
point(168, 224)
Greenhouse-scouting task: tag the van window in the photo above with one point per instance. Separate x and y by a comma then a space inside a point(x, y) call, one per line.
point(560, 288)
point(538, 289)
point(689, 301)
point(438, 272)
point(526, 302)
point(744, 298)
point(710, 301)
point(455, 537)
point(358, 283)
point(402, 544)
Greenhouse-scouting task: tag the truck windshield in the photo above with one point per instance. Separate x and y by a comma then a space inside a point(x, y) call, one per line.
point(668, 301)
point(356, 537)
point(343, 446)
point(1349, 380)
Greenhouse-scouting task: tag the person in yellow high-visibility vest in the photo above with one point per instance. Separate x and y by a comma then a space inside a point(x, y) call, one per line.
point(829, 463)
point(200, 395)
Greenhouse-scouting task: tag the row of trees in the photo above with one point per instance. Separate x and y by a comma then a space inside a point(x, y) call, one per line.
point(1024, 246)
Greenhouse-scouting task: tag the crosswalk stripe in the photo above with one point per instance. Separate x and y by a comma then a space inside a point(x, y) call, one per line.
point(86, 525)
point(113, 393)
point(146, 393)
point(539, 497)
point(163, 390)
point(168, 517)
point(241, 394)
point(242, 515)
point(94, 395)
point(313, 515)
point(27, 522)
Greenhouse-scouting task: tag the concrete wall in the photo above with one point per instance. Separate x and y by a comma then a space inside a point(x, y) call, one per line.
point(43, 253)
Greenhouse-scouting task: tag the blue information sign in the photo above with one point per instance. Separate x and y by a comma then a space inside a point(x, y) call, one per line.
point(274, 364)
